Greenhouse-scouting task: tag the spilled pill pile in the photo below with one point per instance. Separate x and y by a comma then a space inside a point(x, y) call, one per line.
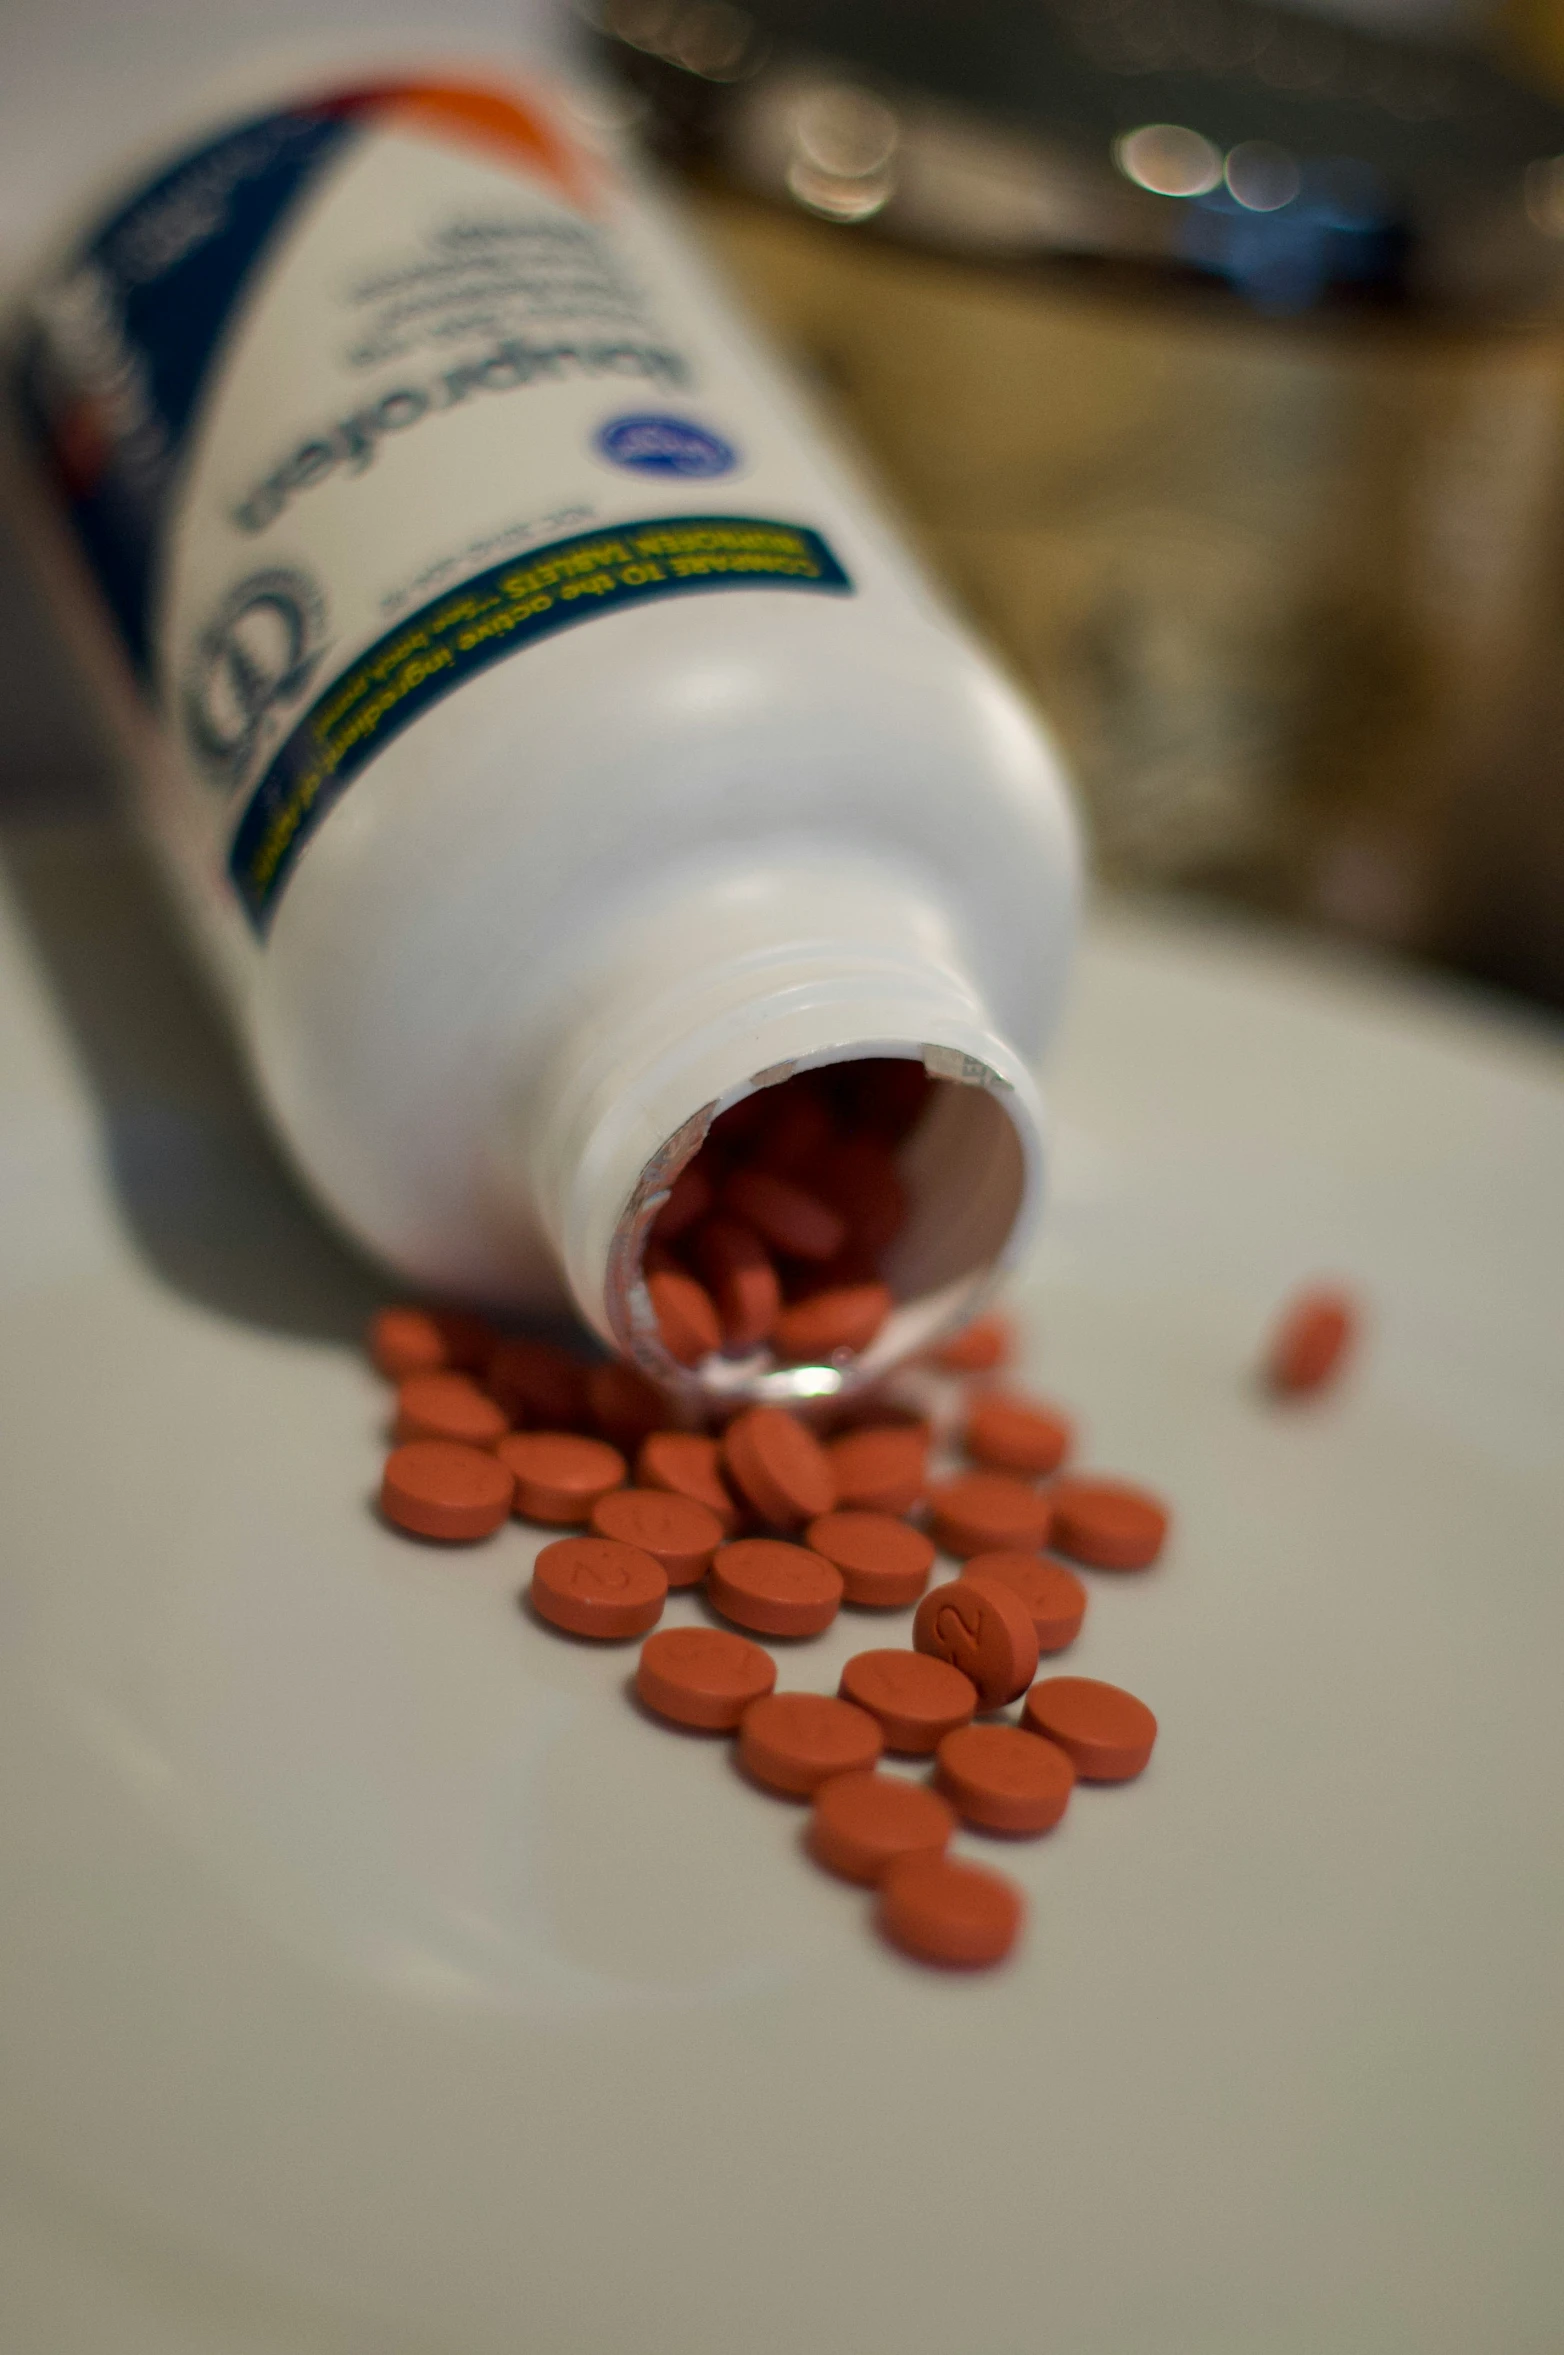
point(774, 1524)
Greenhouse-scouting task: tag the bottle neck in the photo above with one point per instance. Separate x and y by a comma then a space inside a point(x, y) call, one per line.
point(739, 981)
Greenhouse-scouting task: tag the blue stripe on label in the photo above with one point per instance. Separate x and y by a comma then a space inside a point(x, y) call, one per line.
point(111, 383)
point(497, 613)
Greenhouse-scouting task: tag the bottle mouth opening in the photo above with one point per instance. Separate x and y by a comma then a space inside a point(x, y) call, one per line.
point(919, 1159)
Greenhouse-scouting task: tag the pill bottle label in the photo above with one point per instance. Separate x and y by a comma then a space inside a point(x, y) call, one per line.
point(363, 397)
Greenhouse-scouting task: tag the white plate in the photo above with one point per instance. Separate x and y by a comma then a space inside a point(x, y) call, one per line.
point(374, 1978)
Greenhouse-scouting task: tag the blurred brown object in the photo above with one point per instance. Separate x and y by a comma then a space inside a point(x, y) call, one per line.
point(1286, 576)
point(1280, 587)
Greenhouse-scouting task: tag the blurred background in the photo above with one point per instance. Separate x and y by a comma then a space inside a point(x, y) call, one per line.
point(1213, 351)
point(1216, 352)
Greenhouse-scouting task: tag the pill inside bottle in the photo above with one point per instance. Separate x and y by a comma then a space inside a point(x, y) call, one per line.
point(873, 1197)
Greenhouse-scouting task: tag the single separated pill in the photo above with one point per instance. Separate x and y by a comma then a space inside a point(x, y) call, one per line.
point(447, 1406)
point(438, 1488)
point(1312, 1341)
point(1054, 1595)
point(942, 1912)
point(703, 1676)
point(1107, 1524)
point(980, 1511)
point(793, 1742)
point(774, 1588)
point(1005, 1780)
point(687, 1463)
point(862, 1823)
point(1105, 1732)
point(680, 1535)
point(559, 1475)
point(779, 1466)
point(596, 1586)
point(1011, 1434)
point(986, 1631)
point(884, 1563)
point(882, 1468)
point(914, 1699)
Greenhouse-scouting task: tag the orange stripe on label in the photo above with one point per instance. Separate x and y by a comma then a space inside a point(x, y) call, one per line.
point(492, 119)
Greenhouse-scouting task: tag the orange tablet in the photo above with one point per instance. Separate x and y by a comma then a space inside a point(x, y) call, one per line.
point(1108, 1524)
point(884, 1563)
point(915, 1700)
point(943, 1912)
point(1004, 1780)
point(596, 1586)
point(1105, 1732)
point(774, 1588)
point(863, 1823)
point(986, 1631)
point(980, 1511)
point(702, 1677)
point(680, 1535)
point(793, 1742)
point(437, 1488)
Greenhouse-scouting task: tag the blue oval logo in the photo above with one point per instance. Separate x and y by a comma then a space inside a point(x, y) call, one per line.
point(665, 445)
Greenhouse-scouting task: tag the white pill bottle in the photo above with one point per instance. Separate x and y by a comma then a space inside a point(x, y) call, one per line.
point(548, 740)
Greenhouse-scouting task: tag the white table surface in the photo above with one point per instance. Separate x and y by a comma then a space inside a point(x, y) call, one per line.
point(375, 1981)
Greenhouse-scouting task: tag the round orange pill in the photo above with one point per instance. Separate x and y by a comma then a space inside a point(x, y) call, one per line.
point(979, 1348)
point(437, 1488)
point(596, 1586)
point(680, 1535)
point(985, 1631)
point(793, 1742)
point(702, 1676)
point(1107, 1523)
point(623, 1405)
point(737, 1268)
point(1311, 1342)
point(774, 1588)
point(882, 1468)
point(1016, 1435)
point(779, 1466)
point(1004, 1780)
point(447, 1406)
point(914, 1699)
point(538, 1385)
point(862, 1824)
point(843, 1317)
point(687, 1463)
point(559, 1475)
point(1105, 1732)
point(884, 1563)
point(783, 1214)
point(405, 1341)
point(1054, 1595)
point(980, 1512)
point(942, 1912)
point(686, 1316)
